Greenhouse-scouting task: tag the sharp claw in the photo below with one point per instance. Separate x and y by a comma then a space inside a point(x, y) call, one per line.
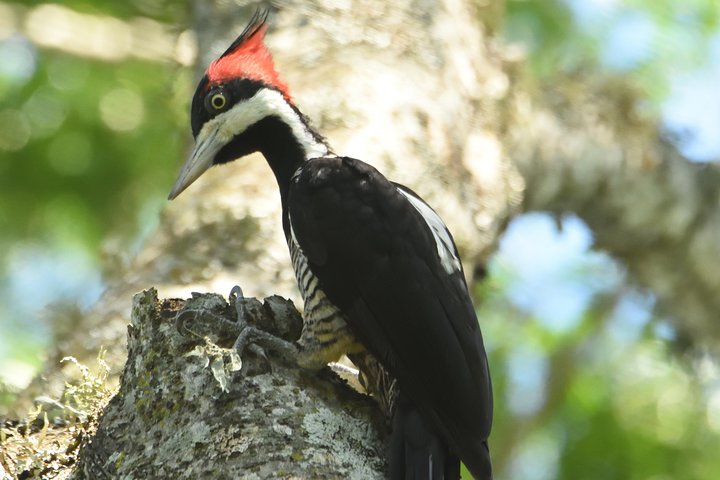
point(245, 341)
point(237, 293)
point(259, 352)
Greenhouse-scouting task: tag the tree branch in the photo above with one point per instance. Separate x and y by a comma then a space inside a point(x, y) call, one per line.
point(585, 149)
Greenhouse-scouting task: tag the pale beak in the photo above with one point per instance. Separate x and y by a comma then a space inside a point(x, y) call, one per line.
point(207, 145)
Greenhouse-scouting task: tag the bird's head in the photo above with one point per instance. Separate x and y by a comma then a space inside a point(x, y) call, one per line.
point(238, 91)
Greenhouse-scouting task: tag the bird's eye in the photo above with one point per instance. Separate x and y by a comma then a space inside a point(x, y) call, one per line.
point(216, 102)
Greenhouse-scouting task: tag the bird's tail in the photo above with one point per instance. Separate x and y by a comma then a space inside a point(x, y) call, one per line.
point(416, 451)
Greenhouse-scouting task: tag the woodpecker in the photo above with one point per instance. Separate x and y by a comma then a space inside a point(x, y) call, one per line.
point(377, 268)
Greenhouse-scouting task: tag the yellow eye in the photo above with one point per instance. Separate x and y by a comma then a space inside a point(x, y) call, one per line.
point(218, 101)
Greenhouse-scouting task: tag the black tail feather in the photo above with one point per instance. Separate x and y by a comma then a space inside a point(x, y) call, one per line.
point(416, 451)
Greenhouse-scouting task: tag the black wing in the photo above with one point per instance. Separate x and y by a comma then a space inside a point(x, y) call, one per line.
point(377, 259)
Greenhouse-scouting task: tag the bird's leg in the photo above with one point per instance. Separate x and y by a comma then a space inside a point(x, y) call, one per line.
point(255, 339)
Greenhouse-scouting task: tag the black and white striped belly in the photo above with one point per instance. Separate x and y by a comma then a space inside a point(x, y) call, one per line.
point(325, 335)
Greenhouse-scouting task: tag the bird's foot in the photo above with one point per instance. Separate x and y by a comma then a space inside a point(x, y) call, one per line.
point(255, 339)
point(256, 328)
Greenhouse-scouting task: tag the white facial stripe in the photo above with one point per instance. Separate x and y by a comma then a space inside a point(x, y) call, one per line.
point(264, 103)
point(443, 240)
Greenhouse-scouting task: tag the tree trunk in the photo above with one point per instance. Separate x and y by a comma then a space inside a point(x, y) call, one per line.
point(188, 408)
point(419, 90)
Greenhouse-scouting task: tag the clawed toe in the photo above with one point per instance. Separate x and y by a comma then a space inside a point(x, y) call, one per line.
point(254, 339)
point(238, 299)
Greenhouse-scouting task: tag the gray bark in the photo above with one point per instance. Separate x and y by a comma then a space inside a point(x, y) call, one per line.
point(188, 407)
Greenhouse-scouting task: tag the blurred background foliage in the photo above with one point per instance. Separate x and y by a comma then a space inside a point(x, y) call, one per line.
point(93, 125)
point(93, 122)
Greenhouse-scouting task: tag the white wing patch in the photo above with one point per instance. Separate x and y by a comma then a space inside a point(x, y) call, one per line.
point(443, 240)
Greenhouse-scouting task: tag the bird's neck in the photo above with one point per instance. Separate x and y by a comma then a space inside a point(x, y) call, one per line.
point(287, 142)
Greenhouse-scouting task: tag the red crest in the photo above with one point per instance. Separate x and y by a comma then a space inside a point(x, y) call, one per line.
point(248, 57)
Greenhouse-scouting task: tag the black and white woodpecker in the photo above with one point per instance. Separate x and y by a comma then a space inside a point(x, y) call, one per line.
point(377, 268)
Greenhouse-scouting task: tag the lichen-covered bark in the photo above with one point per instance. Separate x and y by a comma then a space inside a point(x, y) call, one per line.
point(186, 409)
